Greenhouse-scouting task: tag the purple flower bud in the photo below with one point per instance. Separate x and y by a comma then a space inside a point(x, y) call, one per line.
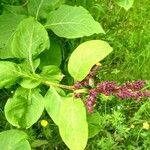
point(93, 92)
point(77, 95)
point(146, 93)
point(77, 85)
point(106, 87)
point(90, 109)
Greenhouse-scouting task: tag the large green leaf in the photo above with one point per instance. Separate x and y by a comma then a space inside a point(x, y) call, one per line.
point(8, 25)
point(72, 22)
point(14, 140)
point(16, 10)
point(30, 39)
point(40, 8)
point(51, 73)
point(73, 127)
point(25, 108)
point(53, 103)
point(8, 74)
point(85, 56)
point(94, 124)
point(51, 56)
point(126, 4)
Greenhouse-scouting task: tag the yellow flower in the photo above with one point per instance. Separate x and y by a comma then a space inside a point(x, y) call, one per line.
point(44, 123)
point(145, 125)
point(132, 126)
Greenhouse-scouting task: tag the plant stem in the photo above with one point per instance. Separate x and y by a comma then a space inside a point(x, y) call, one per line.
point(37, 13)
point(58, 85)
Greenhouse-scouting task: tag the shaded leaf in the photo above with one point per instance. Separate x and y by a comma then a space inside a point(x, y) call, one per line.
point(38, 143)
point(8, 74)
point(12, 9)
point(51, 56)
point(8, 25)
point(94, 124)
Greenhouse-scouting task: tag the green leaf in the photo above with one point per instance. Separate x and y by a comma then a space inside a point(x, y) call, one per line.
point(25, 108)
point(53, 103)
point(126, 4)
point(38, 143)
point(73, 127)
point(51, 56)
point(8, 25)
point(42, 7)
point(16, 10)
point(85, 56)
point(72, 22)
point(8, 74)
point(14, 140)
point(26, 67)
point(30, 39)
point(94, 124)
point(51, 73)
point(29, 83)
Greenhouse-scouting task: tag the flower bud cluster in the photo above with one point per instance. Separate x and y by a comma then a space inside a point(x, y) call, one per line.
point(129, 90)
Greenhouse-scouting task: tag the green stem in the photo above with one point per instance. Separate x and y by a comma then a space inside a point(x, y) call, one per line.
point(138, 135)
point(37, 13)
point(58, 85)
point(39, 78)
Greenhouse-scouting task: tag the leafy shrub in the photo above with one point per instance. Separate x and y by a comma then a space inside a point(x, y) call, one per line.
point(51, 78)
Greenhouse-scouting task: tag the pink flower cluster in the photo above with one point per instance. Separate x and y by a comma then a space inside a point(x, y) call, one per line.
point(129, 90)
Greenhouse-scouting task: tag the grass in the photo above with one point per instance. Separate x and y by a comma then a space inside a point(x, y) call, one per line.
point(129, 34)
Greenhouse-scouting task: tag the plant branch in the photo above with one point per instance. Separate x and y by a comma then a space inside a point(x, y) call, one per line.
point(37, 13)
point(58, 85)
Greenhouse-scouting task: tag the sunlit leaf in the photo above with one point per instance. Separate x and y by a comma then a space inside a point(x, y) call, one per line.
point(126, 4)
point(53, 103)
point(85, 56)
point(25, 108)
point(72, 22)
point(73, 127)
point(30, 39)
point(14, 140)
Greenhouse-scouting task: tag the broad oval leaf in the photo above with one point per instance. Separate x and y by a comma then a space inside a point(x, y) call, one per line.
point(14, 139)
point(8, 74)
point(8, 26)
point(72, 22)
point(30, 39)
point(73, 127)
point(40, 8)
point(25, 108)
point(126, 4)
point(53, 103)
point(85, 56)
